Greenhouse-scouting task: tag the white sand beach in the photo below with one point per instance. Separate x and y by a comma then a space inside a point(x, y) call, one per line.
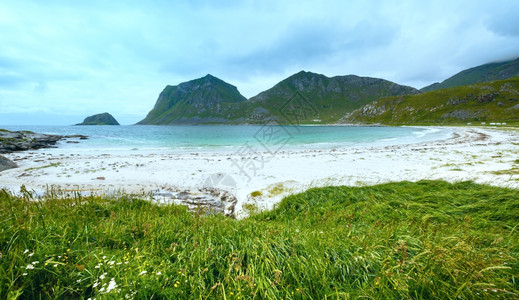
point(483, 155)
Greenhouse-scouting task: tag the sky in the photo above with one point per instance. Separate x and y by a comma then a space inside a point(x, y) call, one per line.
point(61, 61)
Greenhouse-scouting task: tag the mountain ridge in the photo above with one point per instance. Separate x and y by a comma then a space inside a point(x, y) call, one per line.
point(328, 98)
point(482, 73)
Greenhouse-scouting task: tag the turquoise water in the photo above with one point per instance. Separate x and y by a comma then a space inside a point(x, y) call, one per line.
point(232, 138)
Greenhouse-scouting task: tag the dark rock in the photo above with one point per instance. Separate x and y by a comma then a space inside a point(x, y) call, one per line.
point(100, 119)
point(81, 137)
point(13, 141)
point(486, 98)
point(456, 101)
point(6, 164)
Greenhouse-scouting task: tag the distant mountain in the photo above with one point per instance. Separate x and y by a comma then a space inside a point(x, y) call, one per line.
point(100, 119)
point(204, 100)
point(483, 73)
point(324, 99)
point(304, 97)
point(495, 101)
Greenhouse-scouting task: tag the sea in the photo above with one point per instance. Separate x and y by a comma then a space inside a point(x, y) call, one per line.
point(232, 138)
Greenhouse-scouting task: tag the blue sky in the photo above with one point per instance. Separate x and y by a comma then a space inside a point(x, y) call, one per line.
point(61, 61)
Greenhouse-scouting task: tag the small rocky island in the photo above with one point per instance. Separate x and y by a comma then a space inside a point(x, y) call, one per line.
point(14, 141)
point(100, 119)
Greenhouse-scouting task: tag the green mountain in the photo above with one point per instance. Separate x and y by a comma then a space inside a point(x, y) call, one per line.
point(100, 119)
point(494, 101)
point(309, 97)
point(483, 73)
point(304, 97)
point(204, 100)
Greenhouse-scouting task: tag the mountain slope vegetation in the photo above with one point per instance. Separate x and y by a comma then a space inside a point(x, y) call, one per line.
point(304, 97)
point(204, 100)
point(307, 97)
point(483, 73)
point(495, 101)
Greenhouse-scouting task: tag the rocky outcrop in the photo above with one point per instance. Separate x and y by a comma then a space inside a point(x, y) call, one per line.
point(207, 200)
point(6, 164)
point(100, 119)
point(13, 141)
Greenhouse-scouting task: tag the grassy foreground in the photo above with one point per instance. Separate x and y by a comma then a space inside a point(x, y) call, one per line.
point(429, 239)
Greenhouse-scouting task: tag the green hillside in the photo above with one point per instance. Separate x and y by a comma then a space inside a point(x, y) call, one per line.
point(307, 97)
point(483, 73)
point(204, 100)
point(304, 97)
point(496, 101)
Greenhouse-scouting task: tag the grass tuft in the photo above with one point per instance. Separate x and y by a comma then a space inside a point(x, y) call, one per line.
point(428, 239)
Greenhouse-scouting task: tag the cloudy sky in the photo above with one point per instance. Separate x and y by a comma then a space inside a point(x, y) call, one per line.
point(61, 61)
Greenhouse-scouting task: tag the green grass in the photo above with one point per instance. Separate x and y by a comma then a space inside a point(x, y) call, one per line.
point(256, 194)
point(423, 240)
point(511, 171)
point(52, 165)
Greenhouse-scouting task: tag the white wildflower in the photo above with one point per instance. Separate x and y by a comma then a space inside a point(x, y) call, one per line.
point(30, 254)
point(111, 285)
point(143, 272)
point(26, 251)
point(102, 277)
point(159, 273)
point(24, 274)
point(35, 262)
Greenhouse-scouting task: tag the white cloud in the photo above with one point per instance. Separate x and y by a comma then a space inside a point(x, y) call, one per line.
point(80, 58)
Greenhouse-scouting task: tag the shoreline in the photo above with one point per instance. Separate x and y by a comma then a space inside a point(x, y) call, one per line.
point(482, 155)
